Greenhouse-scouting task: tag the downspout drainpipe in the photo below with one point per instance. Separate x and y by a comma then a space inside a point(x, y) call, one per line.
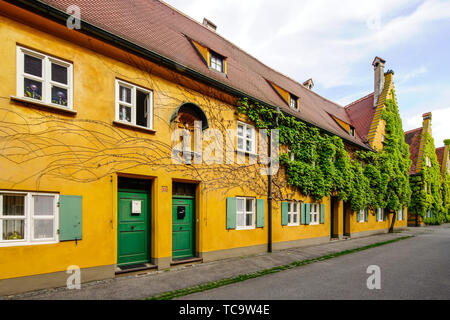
point(269, 195)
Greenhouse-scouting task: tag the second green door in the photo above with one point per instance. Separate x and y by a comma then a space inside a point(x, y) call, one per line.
point(183, 230)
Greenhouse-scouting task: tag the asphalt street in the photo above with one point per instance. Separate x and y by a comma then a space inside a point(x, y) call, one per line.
point(416, 268)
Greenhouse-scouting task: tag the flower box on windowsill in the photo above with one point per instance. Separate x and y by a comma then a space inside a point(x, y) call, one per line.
point(39, 104)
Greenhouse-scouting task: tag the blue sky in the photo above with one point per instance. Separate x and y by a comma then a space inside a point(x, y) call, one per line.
point(335, 42)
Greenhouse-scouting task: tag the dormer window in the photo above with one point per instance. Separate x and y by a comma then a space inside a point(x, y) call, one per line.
point(216, 62)
point(352, 131)
point(293, 103)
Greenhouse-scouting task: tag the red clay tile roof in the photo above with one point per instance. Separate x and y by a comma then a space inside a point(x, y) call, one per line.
point(440, 156)
point(412, 138)
point(160, 28)
point(361, 114)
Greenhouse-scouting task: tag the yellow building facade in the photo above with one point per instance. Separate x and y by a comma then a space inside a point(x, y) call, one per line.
point(69, 166)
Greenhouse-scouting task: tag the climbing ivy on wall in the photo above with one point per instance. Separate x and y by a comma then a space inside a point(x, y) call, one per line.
point(321, 165)
point(427, 187)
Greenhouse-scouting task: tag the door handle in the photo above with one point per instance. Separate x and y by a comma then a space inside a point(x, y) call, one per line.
point(132, 227)
point(181, 228)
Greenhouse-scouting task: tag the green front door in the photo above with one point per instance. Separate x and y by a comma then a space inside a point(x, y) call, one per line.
point(133, 228)
point(183, 230)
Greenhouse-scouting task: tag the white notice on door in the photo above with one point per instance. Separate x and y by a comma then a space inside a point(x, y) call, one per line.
point(136, 207)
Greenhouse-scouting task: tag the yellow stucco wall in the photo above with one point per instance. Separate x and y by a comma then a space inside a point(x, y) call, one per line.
point(64, 169)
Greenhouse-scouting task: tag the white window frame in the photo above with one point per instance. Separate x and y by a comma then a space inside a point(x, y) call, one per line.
point(292, 213)
point(215, 60)
point(245, 212)
point(132, 105)
point(293, 102)
point(314, 214)
point(362, 216)
point(381, 215)
point(246, 127)
point(29, 219)
point(46, 78)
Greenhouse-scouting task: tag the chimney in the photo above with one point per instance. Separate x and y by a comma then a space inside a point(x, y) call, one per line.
point(378, 66)
point(309, 84)
point(426, 122)
point(211, 26)
point(445, 164)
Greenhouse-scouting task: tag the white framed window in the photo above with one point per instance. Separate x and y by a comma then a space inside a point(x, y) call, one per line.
point(314, 214)
point(400, 215)
point(28, 218)
point(362, 215)
point(216, 62)
point(294, 213)
point(380, 214)
point(246, 138)
point(428, 161)
point(44, 78)
point(293, 103)
point(134, 105)
point(245, 213)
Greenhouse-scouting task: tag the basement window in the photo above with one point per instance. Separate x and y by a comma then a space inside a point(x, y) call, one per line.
point(44, 78)
point(216, 62)
point(28, 218)
point(134, 105)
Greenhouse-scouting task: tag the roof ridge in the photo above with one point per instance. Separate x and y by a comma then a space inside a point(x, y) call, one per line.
point(359, 100)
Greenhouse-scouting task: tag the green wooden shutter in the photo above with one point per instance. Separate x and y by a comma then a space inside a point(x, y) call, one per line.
point(260, 217)
point(366, 215)
point(378, 214)
point(231, 213)
point(284, 213)
point(358, 216)
point(384, 215)
point(303, 214)
point(307, 213)
point(70, 218)
point(322, 213)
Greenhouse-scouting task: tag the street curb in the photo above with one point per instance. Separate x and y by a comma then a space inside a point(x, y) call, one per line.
point(227, 281)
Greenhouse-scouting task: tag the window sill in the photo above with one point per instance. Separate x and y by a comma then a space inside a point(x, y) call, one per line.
point(25, 243)
point(243, 229)
point(294, 225)
point(133, 126)
point(42, 105)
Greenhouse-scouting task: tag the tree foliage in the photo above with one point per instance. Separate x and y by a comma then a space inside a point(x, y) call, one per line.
point(321, 166)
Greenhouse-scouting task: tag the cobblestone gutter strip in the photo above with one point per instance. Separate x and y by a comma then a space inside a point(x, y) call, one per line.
point(224, 282)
